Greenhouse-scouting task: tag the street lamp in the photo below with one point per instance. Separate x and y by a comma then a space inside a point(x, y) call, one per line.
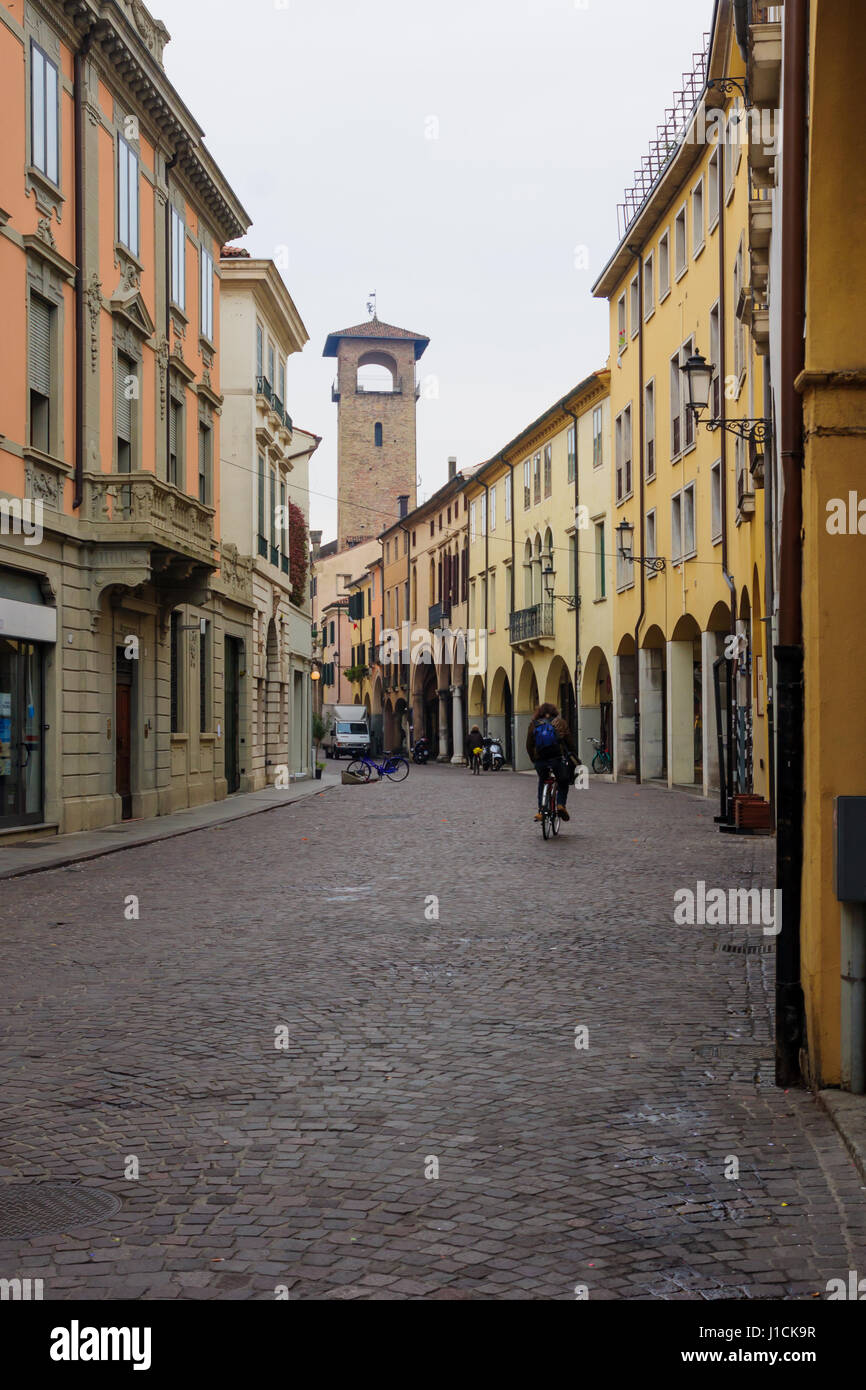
point(548, 574)
point(699, 374)
point(625, 535)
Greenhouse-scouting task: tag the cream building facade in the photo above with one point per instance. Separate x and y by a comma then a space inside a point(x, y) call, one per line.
point(539, 573)
point(265, 484)
point(691, 632)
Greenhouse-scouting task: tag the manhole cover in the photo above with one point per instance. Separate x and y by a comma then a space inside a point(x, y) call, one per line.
point(42, 1208)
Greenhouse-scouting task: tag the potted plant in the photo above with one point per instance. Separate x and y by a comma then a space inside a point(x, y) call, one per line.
point(318, 735)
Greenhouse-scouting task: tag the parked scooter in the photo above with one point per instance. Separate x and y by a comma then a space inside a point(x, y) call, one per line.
point(492, 757)
point(421, 751)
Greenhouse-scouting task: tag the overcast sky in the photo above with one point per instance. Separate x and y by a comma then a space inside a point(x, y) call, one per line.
point(321, 112)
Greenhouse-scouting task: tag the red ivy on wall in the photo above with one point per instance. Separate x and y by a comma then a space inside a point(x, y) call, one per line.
point(299, 551)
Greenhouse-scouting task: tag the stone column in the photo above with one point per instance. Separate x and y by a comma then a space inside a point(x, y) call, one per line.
point(681, 713)
point(457, 721)
point(651, 675)
point(443, 726)
point(418, 723)
point(709, 652)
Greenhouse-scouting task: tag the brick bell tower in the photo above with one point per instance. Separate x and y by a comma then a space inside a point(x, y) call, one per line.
point(376, 396)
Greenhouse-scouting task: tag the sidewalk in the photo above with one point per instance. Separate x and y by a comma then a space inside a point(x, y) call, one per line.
point(34, 856)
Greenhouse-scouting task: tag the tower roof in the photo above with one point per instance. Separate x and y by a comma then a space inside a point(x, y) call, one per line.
point(378, 332)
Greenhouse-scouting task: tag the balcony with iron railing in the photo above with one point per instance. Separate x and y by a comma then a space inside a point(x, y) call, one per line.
point(274, 403)
point(533, 624)
point(765, 82)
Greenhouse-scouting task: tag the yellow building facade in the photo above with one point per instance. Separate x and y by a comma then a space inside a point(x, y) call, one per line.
point(539, 573)
point(689, 632)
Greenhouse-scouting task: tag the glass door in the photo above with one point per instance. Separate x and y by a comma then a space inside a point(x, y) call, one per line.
point(21, 744)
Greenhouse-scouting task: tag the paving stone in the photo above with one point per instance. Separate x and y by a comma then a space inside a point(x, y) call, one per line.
point(411, 1040)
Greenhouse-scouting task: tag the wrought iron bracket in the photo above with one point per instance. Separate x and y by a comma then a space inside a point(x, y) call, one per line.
point(726, 85)
point(756, 431)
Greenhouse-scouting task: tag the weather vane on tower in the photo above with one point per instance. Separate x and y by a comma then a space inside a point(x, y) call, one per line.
point(371, 304)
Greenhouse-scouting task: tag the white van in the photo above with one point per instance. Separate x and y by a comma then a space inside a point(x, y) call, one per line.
point(348, 734)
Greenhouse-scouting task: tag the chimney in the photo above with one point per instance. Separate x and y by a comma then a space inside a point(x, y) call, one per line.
point(452, 468)
point(403, 504)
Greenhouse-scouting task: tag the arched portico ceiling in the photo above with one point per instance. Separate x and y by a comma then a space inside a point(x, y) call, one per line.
point(498, 688)
point(557, 673)
point(527, 688)
point(596, 669)
point(476, 697)
point(686, 629)
point(720, 618)
point(653, 637)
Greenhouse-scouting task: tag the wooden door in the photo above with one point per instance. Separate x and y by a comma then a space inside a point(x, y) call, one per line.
point(123, 742)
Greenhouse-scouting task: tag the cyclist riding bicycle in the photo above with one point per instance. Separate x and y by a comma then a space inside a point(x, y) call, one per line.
point(548, 742)
point(474, 740)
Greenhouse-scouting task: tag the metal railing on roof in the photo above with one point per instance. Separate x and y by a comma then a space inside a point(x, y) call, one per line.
point(669, 138)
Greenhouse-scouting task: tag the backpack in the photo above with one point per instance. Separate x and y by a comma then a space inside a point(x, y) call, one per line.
point(546, 739)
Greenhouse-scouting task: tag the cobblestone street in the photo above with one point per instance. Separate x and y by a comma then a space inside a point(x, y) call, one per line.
point(412, 1040)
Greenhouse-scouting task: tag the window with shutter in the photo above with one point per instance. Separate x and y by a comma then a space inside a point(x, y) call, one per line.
point(125, 370)
point(204, 462)
point(275, 553)
point(40, 345)
point(39, 371)
point(263, 539)
point(175, 442)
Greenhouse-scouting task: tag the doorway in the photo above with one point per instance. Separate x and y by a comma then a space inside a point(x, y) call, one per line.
point(21, 744)
point(124, 675)
point(232, 713)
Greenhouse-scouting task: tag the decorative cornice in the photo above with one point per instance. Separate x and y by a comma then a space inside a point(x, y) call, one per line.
point(127, 48)
point(47, 251)
point(834, 380)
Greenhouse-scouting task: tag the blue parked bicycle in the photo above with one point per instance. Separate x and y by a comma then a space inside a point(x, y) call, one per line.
point(602, 762)
point(393, 766)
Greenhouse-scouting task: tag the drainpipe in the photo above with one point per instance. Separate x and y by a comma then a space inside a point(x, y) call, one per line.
point(80, 59)
point(637, 252)
point(403, 503)
point(578, 667)
point(769, 598)
point(790, 1016)
point(169, 165)
point(382, 665)
point(513, 714)
point(726, 774)
point(487, 586)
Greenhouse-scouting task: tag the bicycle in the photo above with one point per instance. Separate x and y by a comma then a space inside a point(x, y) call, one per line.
point(602, 762)
point(393, 766)
point(550, 819)
point(475, 761)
